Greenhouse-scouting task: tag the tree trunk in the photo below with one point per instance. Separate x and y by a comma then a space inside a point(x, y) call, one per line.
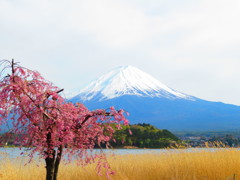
point(57, 162)
point(52, 164)
point(53, 159)
point(50, 161)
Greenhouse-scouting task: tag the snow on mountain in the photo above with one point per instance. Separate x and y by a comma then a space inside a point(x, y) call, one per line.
point(127, 80)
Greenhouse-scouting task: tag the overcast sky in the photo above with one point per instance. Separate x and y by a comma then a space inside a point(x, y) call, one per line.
point(191, 46)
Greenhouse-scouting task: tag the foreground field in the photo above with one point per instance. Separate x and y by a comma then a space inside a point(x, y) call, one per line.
point(221, 164)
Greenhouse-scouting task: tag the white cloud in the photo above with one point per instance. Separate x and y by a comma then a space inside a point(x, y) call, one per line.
point(111, 23)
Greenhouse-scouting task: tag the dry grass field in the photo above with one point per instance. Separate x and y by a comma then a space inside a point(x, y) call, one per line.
point(223, 164)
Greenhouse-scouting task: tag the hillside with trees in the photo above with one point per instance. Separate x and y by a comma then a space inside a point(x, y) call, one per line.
point(144, 136)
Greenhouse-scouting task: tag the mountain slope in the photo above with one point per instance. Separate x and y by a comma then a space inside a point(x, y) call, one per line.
point(127, 80)
point(149, 101)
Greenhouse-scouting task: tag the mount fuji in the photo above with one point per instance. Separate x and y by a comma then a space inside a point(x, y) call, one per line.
point(149, 101)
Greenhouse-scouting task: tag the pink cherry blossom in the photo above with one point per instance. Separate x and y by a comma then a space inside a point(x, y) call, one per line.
point(50, 125)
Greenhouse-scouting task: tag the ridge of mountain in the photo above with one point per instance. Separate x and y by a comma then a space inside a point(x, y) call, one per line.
point(149, 101)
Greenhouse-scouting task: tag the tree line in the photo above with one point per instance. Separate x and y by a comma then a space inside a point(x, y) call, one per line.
point(144, 136)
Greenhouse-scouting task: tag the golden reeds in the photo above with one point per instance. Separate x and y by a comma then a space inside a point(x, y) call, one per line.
point(205, 164)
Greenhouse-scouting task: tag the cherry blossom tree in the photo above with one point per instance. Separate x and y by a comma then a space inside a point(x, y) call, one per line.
point(51, 126)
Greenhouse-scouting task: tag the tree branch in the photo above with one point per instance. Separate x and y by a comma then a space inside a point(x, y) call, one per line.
point(79, 126)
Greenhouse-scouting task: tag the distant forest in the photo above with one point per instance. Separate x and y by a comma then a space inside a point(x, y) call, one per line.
point(144, 136)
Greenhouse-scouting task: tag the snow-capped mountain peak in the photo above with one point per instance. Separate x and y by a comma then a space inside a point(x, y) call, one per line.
point(127, 80)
